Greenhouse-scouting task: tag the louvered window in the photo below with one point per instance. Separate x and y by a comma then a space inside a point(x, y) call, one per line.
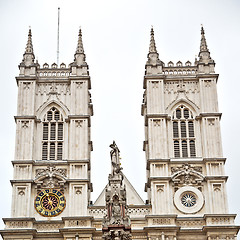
point(183, 133)
point(175, 130)
point(176, 149)
point(52, 140)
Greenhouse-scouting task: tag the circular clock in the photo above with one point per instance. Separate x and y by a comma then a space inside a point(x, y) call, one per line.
point(50, 202)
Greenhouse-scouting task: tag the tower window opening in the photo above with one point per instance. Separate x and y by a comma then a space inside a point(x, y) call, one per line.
point(183, 133)
point(52, 139)
point(176, 149)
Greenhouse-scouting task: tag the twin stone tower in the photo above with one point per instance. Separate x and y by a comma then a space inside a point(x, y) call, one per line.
point(186, 184)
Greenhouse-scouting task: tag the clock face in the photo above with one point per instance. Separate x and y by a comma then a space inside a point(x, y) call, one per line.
point(50, 202)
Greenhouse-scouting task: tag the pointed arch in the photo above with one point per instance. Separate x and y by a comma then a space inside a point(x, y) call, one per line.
point(42, 110)
point(52, 116)
point(183, 130)
point(182, 101)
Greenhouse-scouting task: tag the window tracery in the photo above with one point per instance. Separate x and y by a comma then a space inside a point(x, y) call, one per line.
point(52, 138)
point(183, 133)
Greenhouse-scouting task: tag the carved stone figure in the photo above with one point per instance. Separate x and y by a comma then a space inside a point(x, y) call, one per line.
point(115, 158)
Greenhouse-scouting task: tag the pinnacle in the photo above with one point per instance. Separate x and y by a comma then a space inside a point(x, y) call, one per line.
point(203, 46)
point(29, 47)
point(152, 46)
point(80, 43)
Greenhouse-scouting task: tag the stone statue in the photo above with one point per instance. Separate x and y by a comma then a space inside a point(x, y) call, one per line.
point(114, 153)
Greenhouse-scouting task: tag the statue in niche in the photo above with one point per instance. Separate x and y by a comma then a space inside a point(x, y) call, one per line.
point(114, 153)
point(116, 211)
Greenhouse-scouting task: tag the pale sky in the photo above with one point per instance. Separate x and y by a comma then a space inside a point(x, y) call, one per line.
point(116, 39)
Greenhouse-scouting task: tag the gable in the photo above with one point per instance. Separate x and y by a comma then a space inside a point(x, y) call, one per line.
point(133, 198)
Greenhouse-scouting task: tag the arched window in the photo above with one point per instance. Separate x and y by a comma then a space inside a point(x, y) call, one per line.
point(183, 133)
point(52, 138)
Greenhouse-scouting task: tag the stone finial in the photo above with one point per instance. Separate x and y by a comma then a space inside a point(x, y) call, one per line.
point(80, 49)
point(153, 64)
point(29, 46)
point(79, 56)
point(203, 46)
point(204, 54)
point(206, 63)
point(152, 46)
point(28, 56)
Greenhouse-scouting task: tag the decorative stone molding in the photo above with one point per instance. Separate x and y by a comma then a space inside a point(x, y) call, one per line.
point(59, 88)
point(219, 219)
point(48, 227)
point(51, 177)
point(18, 224)
point(97, 212)
point(138, 211)
point(190, 223)
point(77, 223)
point(161, 221)
point(187, 175)
point(186, 167)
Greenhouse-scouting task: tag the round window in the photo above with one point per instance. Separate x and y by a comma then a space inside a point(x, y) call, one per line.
point(188, 199)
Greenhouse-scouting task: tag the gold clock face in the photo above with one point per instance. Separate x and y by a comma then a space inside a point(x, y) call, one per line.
point(50, 202)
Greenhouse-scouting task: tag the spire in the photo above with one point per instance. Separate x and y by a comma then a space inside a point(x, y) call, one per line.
point(204, 54)
point(79, 56)
point(153, 64)
point(203, 46)
point(28, 56)
point(152, 46)
point(153, 54)
point(205, 63)
point(80, 43)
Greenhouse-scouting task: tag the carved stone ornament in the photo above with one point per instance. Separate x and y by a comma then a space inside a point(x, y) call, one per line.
point(116, 222)
point(115, 158)
point(51, 177)
point(187, 175)
point(117, 234)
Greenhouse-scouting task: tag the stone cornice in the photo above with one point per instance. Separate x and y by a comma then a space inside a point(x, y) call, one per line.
point(154, 77)
point(80, 117)
point(156, 116)
point(18, 219)
point(25, 117)
point(74, 78)
point(208, 115)
point(208, 75)
point(50, 162)
point(21, 181)
point(186, 160)
point(162, 216)
point(161, 160)
point(26, 78)
point(78, 218)
point(214, 160)
point(216, 178)
point(77, 229)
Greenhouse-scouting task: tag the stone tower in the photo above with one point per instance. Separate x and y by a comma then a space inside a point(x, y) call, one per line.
point(51, 184)
point(186, 183)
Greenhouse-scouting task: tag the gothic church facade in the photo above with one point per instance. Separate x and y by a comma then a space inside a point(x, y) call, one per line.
point(186, 183)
